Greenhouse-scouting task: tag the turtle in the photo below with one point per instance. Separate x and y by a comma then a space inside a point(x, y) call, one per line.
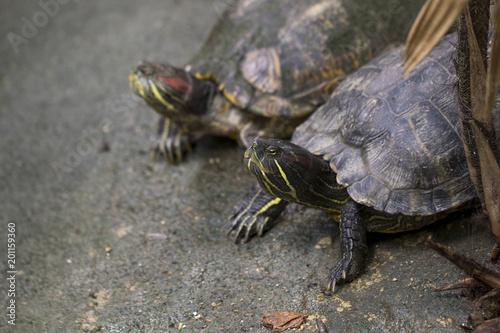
point(265, 67)
point(385, 153)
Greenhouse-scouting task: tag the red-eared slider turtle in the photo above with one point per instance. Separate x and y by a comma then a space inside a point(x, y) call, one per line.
point(265, 67)
point(385, 152)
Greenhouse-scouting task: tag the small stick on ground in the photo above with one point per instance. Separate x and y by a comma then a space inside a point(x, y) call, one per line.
point(479, 272)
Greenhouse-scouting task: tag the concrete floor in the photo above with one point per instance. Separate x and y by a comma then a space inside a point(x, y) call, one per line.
point(115, 241)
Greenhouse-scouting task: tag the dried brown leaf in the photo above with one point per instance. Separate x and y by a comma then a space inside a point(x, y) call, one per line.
point(493, 80)
point(283, 320)
point(431, 24)
point(489, 326)
point(490, 177)
point(477, 76)
point(486, 307)
point(495, 253)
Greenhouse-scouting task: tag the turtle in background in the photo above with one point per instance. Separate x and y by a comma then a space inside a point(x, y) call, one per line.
point(265, 67)
point(385, 152)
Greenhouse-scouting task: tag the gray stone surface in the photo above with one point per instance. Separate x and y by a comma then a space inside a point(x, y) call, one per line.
point(115, 241)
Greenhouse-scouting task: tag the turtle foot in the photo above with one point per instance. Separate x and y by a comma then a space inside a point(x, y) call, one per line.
point(338, 274)
point(246, 225)
point(172, 144)
point(255, 214)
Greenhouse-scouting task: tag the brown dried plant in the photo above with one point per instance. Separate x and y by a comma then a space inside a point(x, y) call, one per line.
point(433, 22)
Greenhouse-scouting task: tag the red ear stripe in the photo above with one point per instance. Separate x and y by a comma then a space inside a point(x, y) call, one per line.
point(176, 83)
point(303, 160)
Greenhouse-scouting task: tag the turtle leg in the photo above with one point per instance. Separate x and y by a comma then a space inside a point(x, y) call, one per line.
point(171, 142)
point(356, 221)
point(255, 214)
point(353, 232)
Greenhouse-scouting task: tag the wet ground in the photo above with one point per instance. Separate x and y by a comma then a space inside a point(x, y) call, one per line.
point(107, 239)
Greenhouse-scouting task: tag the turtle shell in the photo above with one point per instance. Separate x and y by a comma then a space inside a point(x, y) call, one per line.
point(395, 142)
point(284, 58)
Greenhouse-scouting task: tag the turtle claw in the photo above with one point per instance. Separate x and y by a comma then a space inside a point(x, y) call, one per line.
point(172, 143)
point(338, 274)
point(172, 149)
point(246, 225)
point(331, 286)
point(255, 214)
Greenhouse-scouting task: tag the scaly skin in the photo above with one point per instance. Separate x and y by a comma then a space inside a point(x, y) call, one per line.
point(266, 66)
point(292, 174)
point(191, 107)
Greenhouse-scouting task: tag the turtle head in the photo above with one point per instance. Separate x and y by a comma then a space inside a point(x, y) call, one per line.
point(284, 169)
point(171, 91)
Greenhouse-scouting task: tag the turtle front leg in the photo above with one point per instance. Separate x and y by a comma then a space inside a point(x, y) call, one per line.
point(172, 143)
point(255, 214)
point(353, 233)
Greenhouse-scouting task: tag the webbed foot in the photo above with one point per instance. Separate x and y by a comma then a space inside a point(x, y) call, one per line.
point(172, 144)
point(255, 214)
point(339, 274)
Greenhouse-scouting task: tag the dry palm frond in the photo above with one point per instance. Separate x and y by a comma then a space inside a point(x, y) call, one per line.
point(490, 176)
point(493, 80)
point(484, 90)
point(432, 23)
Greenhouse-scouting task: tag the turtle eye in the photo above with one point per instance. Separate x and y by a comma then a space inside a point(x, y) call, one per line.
point(272, 151)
